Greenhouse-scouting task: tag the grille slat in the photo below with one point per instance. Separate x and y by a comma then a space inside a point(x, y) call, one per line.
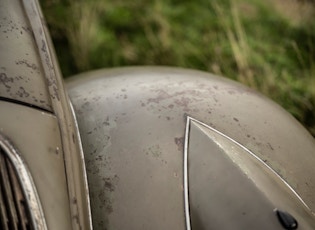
point(24, 222)
point(9, 200)
point(13, 209)
point(3, 214)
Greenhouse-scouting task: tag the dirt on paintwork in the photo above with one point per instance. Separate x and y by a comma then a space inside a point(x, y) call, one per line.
point(5, 80)
point(156, 152)
point(179, 141)
point(185, 96)
point(21, 77)
point(104, 201)
point(26, 63)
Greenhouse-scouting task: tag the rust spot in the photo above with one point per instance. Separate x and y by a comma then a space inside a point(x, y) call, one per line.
point(25, 62)
point(155, 151)
point(22, 93)
point(108, 185)
point(270, 146)
point(43, 46)
point(109, 209)
point(56, 92)
point(18, 78)
point(5, 80)
point(179, 141)
point(183, 101)
point(163, 95)
point(99, 158)
point(76, 218)
point(106, 122)
point(35, 100)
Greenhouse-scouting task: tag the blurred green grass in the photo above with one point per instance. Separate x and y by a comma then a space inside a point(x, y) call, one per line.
point(267, 45)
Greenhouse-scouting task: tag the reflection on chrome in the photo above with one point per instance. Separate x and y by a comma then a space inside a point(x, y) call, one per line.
point(20, 205)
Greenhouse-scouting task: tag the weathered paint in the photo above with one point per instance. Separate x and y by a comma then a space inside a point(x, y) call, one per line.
point(30, 76)
point(231, 188)
point(41, 150)
point(21, 72)
point(132, 124)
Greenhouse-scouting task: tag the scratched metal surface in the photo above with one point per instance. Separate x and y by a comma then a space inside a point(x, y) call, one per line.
point(21, 73)
point(132, 125)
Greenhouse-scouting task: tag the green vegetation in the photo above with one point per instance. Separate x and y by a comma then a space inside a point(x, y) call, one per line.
point(267, 45)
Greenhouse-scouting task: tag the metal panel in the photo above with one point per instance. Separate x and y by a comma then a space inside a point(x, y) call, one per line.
point(19, 195)
point(37, 137)
point(73, 155)
point(134, 164)
point(29, 75)
point(21, 72)
point(132, 124)
point(230, 188)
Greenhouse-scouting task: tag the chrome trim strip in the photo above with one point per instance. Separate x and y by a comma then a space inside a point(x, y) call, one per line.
point(186, 188)
point(253, 155)
point(27, 184)
point(79, 205)
point(85, 179)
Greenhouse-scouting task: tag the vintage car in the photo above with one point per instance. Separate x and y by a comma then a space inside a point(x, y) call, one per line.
point(141, 148)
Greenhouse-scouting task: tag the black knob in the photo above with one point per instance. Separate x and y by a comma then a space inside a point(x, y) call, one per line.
point(287, 220)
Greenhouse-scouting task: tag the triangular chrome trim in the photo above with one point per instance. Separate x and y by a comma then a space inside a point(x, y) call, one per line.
point(186, 165)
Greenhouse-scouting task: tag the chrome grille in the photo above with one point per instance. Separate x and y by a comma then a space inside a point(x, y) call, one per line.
point(14, 213)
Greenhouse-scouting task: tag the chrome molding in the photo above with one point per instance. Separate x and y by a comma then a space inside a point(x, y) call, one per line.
point(85, 179)
point(27, 184)
point(186, 191)
point(189, 119)
point(73, 155)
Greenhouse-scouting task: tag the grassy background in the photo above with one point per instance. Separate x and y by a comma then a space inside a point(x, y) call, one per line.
point(268, 45)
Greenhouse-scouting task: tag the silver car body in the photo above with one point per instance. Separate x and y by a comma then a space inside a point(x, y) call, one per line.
point(162, 148)
point(153, 140)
